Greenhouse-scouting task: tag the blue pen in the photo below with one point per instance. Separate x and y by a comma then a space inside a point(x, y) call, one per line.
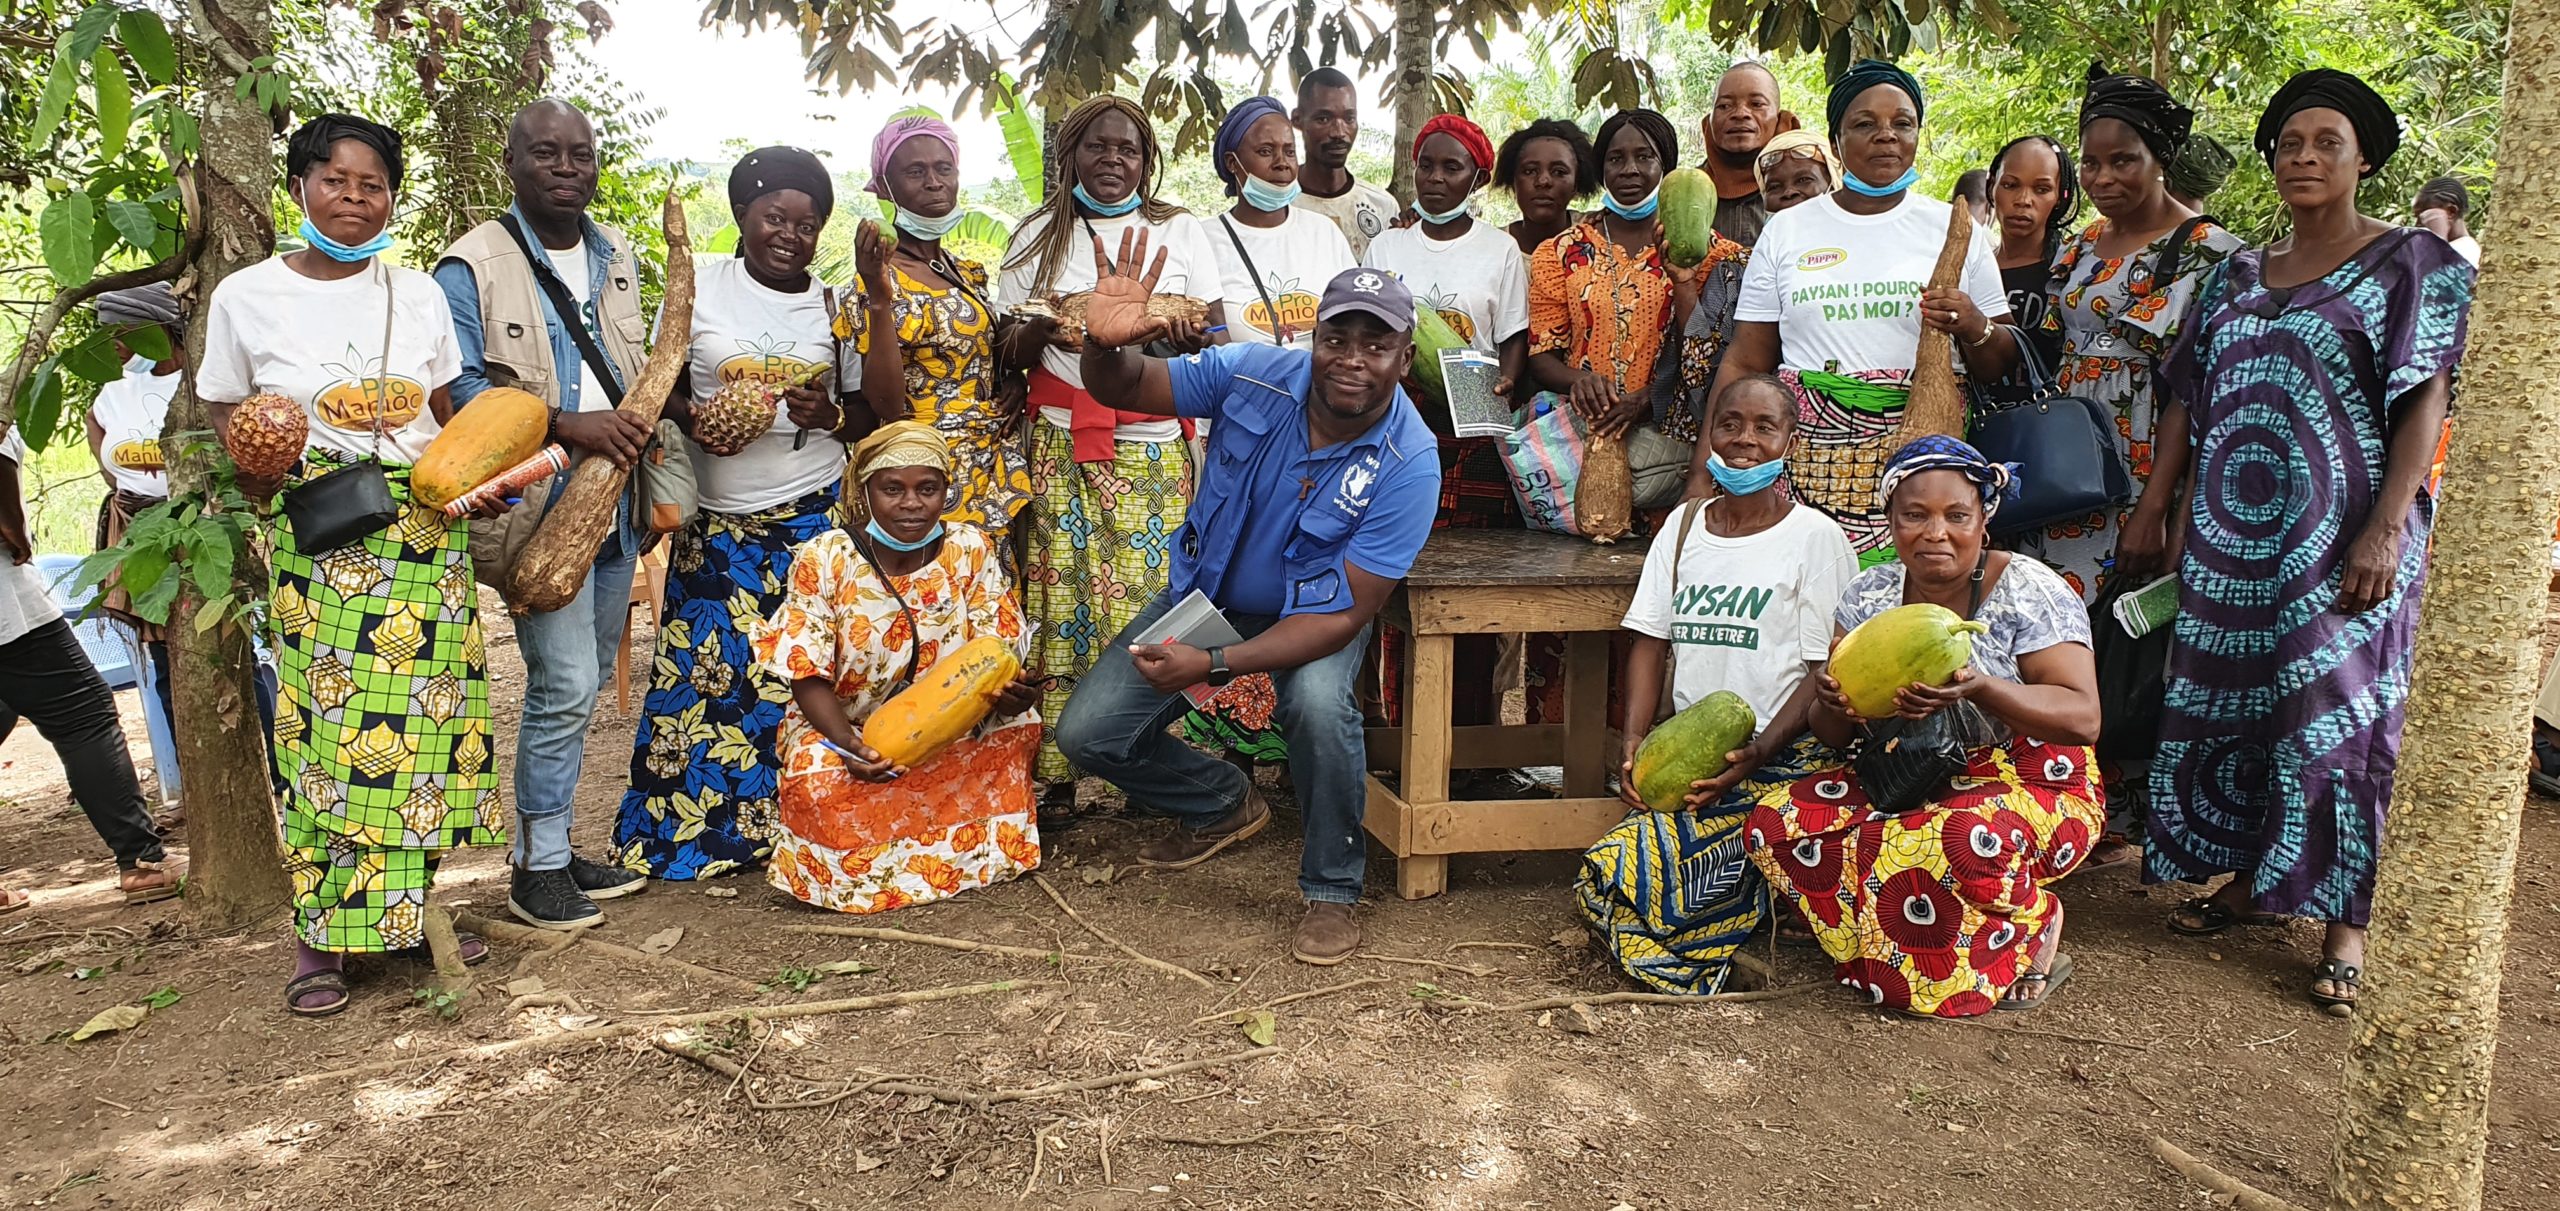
point(1214, 328)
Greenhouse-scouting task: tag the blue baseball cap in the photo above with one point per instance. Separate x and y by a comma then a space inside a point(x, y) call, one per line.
point(1375, 291)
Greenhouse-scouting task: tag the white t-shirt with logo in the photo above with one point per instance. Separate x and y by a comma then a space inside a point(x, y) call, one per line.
point(1844, 289)
point(743, 329)
point(1744, 614)
point(1478, 282)
point(131, 410)
point(320, 343)
point(1362, 212)
point(25, 602)
point(1295, 260)
point(1190, 267)
point(571, 265)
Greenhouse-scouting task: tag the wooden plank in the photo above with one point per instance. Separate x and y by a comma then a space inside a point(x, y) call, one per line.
point(1586, 716)
point(1473, 826)
point(1490, 746)
point(1422, 876)
point(1386, 818)
point(1524, 557)
point(1426, 719)
point(1521, 609)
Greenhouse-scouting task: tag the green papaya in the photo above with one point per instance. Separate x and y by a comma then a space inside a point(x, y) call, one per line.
point(1690, 746)
point(1907, 645)
point(1688, 213)
point(1431, 334)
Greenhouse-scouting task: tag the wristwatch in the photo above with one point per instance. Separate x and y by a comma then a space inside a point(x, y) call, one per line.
point(1219, 673)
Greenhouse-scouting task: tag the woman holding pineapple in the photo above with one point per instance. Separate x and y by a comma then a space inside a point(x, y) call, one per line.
point(768, 429)
point(323, 360)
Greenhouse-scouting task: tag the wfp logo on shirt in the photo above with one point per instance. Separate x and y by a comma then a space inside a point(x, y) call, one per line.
point(1695, 609)
point(1815, 260)
point(1358, 481)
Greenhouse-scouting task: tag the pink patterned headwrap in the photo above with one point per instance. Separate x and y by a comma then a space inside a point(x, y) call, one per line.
point(897, 132)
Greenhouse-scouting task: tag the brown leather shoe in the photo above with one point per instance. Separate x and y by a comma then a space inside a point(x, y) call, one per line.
point(1183, 847)
point(1326, 935)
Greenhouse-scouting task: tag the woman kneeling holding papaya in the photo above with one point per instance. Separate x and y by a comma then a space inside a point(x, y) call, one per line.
point(867, 613)
point(1945, 909)
point(1737, 596)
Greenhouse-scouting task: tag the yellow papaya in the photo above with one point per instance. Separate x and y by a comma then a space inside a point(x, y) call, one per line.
point(949, 699)
point(1690, 747)
point(499, 428)
point(1919, 644)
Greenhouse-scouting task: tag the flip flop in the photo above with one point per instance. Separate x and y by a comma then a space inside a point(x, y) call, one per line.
point(2050, 981)
point(2336, 973)
point(2213, 917)
point(316, 981)
point(2124, 854)
point(13, 900)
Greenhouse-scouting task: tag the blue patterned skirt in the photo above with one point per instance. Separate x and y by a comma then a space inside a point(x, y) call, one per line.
point(704, 770)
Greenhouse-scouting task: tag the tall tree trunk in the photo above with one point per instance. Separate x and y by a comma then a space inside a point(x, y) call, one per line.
point(1412, 95)
point(236, 873)
point(2162, 25)
point(2415, 1120)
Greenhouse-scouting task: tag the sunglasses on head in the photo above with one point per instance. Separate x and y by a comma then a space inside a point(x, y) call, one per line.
point(1769, 160)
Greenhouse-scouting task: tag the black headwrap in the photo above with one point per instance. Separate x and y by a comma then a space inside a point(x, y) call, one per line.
point(2377, 127)
point(2201, 167)
point(1866, 74)
point(774, 169)
point(310, 145)
point(2138, 102)
point(1656, 129)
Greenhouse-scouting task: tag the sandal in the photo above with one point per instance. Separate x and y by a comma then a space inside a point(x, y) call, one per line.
point(13, 900)
point(2048, 982)
point(2212, 917)
point(2545, 770)
point(2344, 975)
point(2112, 853)
point(473, 948)
point(317, 981)
point(152, 882)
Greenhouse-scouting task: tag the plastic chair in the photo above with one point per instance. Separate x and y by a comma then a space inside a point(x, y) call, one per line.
point(118, 654)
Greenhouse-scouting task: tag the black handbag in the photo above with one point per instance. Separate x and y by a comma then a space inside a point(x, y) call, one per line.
point(344, 505)
point(2133, 678)
point(1903, 763)
point(2063, 445)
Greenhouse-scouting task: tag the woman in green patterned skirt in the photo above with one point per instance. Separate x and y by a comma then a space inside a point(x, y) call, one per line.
point(382, 726)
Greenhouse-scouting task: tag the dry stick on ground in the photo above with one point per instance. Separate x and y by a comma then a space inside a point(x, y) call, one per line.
point(1117, 944)
point(959, 1097)
point(1290, 999)
point(1636, 998)
point(1460, 968)
point(544, 1000)
point(1455, 947)
point(2039, 1032)
point(1211, 1141)
point(740, 1013)
point(509, 931)
point(559, 942)
point(1039, 1153)
point(926, 939)
point(2245, 1196)
point(737, 1072)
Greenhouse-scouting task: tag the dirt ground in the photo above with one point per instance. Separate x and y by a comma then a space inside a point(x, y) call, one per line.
point(1380, 1096)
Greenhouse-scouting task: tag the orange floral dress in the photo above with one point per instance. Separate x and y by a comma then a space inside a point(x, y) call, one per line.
point(963, 818)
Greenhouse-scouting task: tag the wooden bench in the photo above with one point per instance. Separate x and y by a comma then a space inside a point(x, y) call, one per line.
point(1497, 582)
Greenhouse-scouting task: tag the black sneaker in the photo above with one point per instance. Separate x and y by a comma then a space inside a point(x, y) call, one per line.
point(602, 882)
point(550, 899)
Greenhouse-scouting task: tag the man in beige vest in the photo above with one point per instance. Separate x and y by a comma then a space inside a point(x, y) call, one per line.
point(501, 278)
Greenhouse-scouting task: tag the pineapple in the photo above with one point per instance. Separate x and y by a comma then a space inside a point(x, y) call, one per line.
point(743, 411)
point(266, 435)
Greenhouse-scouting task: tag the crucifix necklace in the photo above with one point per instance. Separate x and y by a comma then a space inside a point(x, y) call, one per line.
point(1306, 484)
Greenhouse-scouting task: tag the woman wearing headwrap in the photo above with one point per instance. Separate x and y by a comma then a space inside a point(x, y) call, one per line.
point(383, 725)
point(2307, 389)
point(1947, 909)
point(942, 369)
point(701, 798)
point(2198, 171)
point(124, 426)
point(2035, 197)
point(1834, 303)
point(1547, 166)
point(870, 608)
point(1796, 167)
point(1272, 257)
point(1109, 487)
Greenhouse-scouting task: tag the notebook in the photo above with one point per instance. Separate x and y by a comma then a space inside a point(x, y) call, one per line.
point(1468, 376)
point(1193, 620)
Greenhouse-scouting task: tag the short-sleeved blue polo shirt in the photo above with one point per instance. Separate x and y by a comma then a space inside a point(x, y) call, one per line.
point(1274, 524)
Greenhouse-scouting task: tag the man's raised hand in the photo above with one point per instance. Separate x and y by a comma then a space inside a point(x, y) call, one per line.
point(1116, 316)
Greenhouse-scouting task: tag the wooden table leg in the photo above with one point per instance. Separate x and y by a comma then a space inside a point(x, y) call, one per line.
point(1422, 876)
point(1425, 777)
point(1586, 715)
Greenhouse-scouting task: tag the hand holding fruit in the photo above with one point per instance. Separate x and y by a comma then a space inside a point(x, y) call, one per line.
point(865, 762)
point(812, 406)
point(871, 249)
point(1953, 312)
point(1116, 317)
point(1707, 792)
point(1827, 692)
point(1917, 701)
point(612, 432)
point(1018, 695)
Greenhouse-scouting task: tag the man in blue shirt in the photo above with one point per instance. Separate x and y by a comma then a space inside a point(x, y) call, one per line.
point(1319, 489)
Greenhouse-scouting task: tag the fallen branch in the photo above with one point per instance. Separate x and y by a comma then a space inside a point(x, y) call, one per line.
point(870, 933)
point(544, 1000)
point(740, 1013)
point(1290, 999)
point(1115, 943)
point(1636, 998)
point(509, 931)
point(2245, 1197)
point(2066, 1036)
point(1460, 968)
point(1039, 1154)
point(1455, 947)
point(737, 1073)
point(1211, 1141)
point(980, 1101)
point(559, 942)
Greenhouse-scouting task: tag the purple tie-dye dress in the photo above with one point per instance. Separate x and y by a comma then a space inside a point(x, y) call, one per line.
point(2282, 722)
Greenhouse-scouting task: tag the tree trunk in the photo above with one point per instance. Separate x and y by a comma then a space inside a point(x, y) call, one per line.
point(2414, 1122)
point(235, 871)
point(1411, 90)
point(2162, 25)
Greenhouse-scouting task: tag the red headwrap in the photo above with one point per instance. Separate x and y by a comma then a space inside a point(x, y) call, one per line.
point(1468, 134)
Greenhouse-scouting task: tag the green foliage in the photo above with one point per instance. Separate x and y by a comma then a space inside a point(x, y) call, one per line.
point(180, 544)
point(443, 1002)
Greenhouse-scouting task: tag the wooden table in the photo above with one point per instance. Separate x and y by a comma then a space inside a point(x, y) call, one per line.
point(1495, 582)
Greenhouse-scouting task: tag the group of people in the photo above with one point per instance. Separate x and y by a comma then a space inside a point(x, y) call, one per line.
point(1034, 453)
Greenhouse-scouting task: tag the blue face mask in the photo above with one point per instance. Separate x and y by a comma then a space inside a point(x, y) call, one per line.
point(345, 253)
point(1641, 210)
point(1910, 177)
point(1449, 216)
point(878, 535)
point(1263, 195)
point(924, 228)
point(1109, 210)
point(1743, 481)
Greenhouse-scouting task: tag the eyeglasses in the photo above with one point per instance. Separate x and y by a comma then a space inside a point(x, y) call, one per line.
point(1769, 160)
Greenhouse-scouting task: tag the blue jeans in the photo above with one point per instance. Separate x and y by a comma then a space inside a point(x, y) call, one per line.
point(567, 654)
point(1114, 728)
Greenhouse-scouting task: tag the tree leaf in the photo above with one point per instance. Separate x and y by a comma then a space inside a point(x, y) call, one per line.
point(146, 340)
point(89, 29)
point(209, 560)
point(209, 615)
point(164, 998)
point(114, 96)
point(1260, 1027)
point(111, 1019)
point(662, 941)
point(65, 229)
point(59, 84)
point(94, 358)
point(43, 410)
point(147, 40)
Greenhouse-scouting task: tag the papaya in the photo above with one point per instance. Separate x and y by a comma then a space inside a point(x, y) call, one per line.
point(1431, 334)
point(1688, 212)
point(1689, 747)
point(1918, 644)
point(950, 698)
point(498, 429)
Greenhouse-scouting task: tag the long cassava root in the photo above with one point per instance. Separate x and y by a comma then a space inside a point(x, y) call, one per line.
point(556, 559)
point(1937, 405)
